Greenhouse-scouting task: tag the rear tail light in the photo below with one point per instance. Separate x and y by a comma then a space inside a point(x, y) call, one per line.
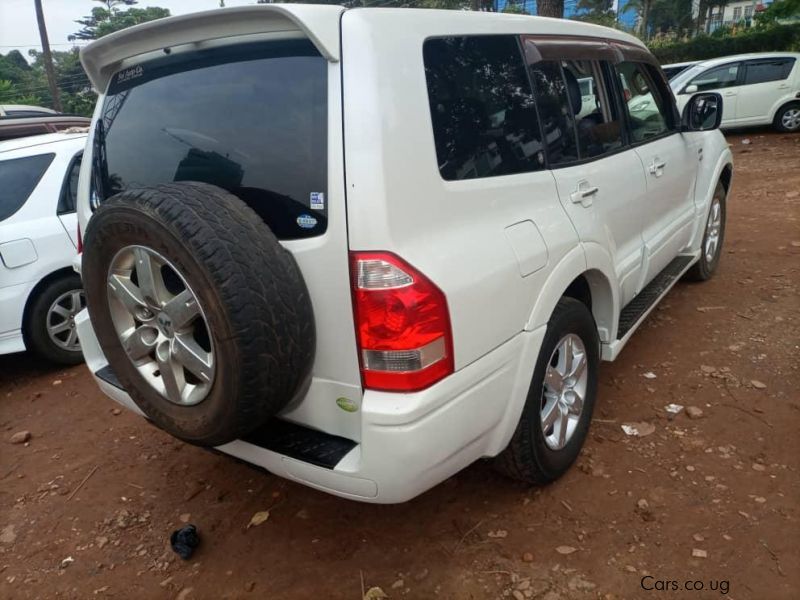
point(80, 240)
point(402, 324)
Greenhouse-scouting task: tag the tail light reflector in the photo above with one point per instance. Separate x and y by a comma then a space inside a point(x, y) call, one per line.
point(80, 240)
point(402, 324)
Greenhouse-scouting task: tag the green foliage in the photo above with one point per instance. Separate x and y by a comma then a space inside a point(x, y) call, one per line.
point(107, 20)
point(778, 11)
point(777, 38)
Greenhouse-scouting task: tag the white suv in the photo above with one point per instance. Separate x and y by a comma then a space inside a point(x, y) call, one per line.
point(39, 292)
point(365, 248)
point(758, 89)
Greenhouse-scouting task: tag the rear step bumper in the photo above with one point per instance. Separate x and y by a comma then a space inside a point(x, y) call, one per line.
point(409, 442)
point(290, 439)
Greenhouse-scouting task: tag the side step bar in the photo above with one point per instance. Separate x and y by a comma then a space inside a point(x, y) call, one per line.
point(638, 308)
point(282, 437)
point(636, 311)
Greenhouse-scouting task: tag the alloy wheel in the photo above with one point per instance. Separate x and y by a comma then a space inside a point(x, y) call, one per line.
point(565, 383)
point(161, 325)
point(61, 320)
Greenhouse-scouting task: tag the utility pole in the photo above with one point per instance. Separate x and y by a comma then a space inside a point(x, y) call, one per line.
point(48, 58)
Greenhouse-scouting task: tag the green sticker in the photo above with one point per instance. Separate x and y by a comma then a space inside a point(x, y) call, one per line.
point(347, 404)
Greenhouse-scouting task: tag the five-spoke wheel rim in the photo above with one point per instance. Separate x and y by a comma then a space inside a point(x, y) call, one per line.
point(161, 325)
point(791, 119)
point(713, 229)
point(61, 320)
point(565, 383)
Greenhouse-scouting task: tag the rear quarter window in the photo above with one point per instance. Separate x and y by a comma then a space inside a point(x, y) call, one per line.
point(18, 178)
point(250, 119)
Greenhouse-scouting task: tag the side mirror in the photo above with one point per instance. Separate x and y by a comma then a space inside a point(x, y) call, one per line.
point(690, 89)
point(703, 112)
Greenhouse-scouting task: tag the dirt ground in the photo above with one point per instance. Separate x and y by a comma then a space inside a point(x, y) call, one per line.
point(713, 500)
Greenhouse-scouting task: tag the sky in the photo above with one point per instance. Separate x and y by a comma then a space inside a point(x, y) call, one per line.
point(18, 19)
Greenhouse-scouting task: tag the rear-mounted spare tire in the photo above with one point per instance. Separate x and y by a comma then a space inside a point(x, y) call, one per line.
point(202, 314)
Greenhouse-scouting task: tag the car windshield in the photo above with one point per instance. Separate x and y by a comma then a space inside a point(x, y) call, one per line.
point(681, 79)
point(251, 119)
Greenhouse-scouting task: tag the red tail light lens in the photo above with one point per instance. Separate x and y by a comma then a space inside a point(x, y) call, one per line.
point(402, 324)
point(80, 240)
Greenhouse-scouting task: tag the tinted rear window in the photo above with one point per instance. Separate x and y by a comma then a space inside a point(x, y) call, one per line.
point(250, 119)
point(18, 178)
point(482, 109)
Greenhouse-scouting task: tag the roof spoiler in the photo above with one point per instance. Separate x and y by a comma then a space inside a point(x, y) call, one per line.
point(102, 58)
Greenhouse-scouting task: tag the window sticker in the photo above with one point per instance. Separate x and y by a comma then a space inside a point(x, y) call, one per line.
point(306, 221)
point(317, 201)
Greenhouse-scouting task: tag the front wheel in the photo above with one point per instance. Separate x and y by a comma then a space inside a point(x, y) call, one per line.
point(558, 410)
point(788, 118)
point(713, 237)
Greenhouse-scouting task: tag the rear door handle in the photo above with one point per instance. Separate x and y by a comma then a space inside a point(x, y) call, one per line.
point(657, 167)
point(585, 194)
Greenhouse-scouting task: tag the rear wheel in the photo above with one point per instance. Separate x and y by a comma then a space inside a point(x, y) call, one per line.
point(50, 328)
point(787, 119)
point(558, 410)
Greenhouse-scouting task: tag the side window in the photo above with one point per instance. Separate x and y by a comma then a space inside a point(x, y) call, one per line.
point(483, 113)
point(645, 105)
point(596, 116)
point(18, 178)
point(717, 78)
point(762, 71)
point(575, 106)
point(555, 111)
point(69, 191)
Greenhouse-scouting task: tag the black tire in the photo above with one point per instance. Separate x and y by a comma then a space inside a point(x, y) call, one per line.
point(251, 291)
point(37, 339)
point(528, 457)
point(704, 269)
point(778, 122)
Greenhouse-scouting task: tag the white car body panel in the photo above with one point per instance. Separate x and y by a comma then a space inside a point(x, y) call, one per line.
point(502, 249)
point(34, 242)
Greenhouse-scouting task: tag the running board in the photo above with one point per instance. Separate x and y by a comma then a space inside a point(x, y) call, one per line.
point(636, 311)
point(282, 437)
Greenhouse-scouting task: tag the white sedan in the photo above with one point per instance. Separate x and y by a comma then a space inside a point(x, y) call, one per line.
point(39, 292)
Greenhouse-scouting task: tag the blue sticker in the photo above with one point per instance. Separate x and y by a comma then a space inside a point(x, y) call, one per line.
point(306, 221)
point(317, 201)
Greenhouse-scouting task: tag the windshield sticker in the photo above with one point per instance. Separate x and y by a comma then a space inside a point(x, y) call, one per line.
point(128, 74)
point(306, 221)
point(317, 201)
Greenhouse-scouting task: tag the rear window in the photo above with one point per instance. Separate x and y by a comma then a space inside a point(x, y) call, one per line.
point(763, 71)
point(18, 178)
point(251, 119)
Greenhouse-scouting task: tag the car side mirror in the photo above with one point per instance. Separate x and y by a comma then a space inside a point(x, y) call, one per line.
point(690, 89)
point(703, 112)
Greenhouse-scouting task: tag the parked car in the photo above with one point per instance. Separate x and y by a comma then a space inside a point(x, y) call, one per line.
point(40, 294)
point(672, 70)
point(26, 126)
point(25, 110)
point(757, 89)
point(376, 245)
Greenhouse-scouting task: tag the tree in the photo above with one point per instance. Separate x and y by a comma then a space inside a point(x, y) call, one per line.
point(107, 20)
point(597, 11)
point(550, 8)
point(48, 60)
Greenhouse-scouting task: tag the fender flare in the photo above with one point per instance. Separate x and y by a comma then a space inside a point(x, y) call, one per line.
point(724, 161)
point(594, 263)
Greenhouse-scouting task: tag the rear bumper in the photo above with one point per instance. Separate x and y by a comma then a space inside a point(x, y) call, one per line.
point(409, 442)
